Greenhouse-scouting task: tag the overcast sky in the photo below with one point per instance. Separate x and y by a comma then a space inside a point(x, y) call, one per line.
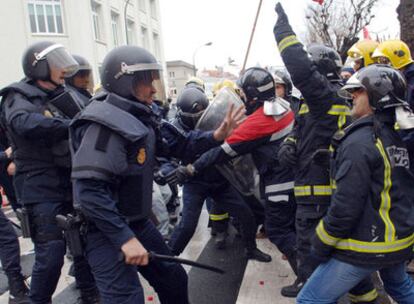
point(188, 24)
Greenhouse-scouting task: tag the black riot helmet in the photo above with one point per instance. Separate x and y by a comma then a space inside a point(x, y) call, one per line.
point(41, 57)
point(327, 60)
point(84, 69)
point(257, 85)
point(191, 104)
point(125, 66)
point(282, 77)
point(386, 87)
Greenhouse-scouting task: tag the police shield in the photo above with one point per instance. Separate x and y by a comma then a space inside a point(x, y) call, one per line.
point(240, 171)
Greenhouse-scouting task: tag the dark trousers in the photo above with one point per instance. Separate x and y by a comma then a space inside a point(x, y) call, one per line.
point(219, 217)
point(50, 249)
point(194, 195)
point(307, 218)
point(6, 181)
point(9, 247)
point(118, 282)
point(280, 225)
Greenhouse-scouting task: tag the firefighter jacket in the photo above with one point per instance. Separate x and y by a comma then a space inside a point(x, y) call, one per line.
point(260, 135)
point(321, 114)
point(371, 217)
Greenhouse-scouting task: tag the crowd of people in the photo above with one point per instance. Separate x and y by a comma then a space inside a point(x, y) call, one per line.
point(88, 171)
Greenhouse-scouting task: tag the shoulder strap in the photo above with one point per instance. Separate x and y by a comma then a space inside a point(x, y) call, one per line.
point(28, 90)
point(117, 120)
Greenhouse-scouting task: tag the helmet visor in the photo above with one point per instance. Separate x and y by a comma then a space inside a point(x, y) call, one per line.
point(154, 77)
point(60, 59)
point(352, 85)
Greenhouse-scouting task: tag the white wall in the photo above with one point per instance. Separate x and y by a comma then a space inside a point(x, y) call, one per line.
point(78, 37)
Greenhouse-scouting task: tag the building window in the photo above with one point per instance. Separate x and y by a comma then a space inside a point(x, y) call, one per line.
point(141, 4)
point(96, 19)
point(153, 8)
point(172, 74)
point(115, 28)
point(144, 37)
point(157, 49)
point(131, 32)
point(45, 16)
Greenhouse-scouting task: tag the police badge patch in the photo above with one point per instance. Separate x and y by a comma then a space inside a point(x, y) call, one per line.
point(141, 156)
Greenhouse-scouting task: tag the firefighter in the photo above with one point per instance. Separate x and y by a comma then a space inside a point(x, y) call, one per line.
point(316, 75)
point(370, 224)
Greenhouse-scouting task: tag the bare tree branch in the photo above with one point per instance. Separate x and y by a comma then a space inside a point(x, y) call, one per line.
point(337, 23)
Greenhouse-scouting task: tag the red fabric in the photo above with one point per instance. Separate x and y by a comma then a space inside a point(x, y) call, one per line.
point(366, 33)
point(259, 125)
point(319, 1)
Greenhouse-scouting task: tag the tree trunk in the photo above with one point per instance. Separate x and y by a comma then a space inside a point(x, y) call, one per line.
point(406, 16)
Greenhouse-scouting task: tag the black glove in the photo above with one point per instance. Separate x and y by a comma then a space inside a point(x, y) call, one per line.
point(180, 175)
point(322, 157)
point(282, 17)
point(287, 154)
point(282, 27)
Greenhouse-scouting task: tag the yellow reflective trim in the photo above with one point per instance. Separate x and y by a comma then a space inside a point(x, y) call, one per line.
point(317, 190)
point(292, 139)
point(287, 42)
point(324, 235)
point(303, 109)
point(322, 190)
point(375, 247)
point(367, 297)
point(396, 126)
point(385, 206)
point(360, 246)
point(219, 217)
point(302, 190)
point(333, 184)
point(339, 110)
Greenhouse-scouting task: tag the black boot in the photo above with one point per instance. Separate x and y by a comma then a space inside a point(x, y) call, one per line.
point(90, 296)
point(220, 240)
point(19, 293)
point(292, 291)
point(258, 255)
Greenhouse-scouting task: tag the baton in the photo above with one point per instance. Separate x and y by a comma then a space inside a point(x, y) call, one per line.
point(161, 257)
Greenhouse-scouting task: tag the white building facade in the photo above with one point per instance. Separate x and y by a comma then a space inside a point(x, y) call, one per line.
point(90, 28)
point(179, 72)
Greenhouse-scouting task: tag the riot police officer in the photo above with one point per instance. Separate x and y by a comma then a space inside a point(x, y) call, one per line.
point(38, 131)
point(81, 81)
point(10, 260)
point(114, 141)
point(316, 74)
point(364, 230)
point(210, 184)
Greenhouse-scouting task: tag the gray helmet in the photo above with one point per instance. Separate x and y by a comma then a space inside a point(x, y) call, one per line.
point(125, 66)
point(41, 56)
point(84, 68)
point(283, 77)
point(191, 104)
point(327, 61)
point(258, 86)
point(386, 87)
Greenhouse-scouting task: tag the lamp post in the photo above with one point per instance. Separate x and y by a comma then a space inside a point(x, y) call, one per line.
point(126, 20)
point(195, 52)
